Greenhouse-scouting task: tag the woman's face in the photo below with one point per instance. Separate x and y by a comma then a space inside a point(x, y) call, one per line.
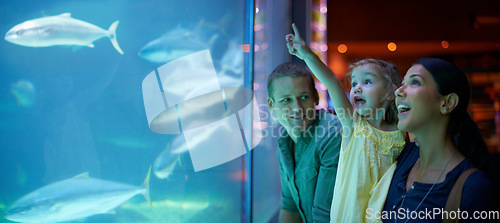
point(418, 100)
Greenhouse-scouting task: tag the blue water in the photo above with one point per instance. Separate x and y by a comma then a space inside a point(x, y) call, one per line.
point(65, 110)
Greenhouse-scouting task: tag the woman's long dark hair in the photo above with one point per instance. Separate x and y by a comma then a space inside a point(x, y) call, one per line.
point(462, 129)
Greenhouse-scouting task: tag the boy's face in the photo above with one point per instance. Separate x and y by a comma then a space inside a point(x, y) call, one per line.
point(293, 103)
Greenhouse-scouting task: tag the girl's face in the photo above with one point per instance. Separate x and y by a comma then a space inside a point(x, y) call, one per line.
point(418, 100)
point(369, 91)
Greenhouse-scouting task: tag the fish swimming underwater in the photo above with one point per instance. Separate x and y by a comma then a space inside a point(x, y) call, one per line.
point(174, 44)
point(181, 41)
point(24, 91)
point(77, 197)
point(60, 30)
point(168, 159)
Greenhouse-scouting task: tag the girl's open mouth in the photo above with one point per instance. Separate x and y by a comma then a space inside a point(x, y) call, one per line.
point(403, 108)
point(358, 101)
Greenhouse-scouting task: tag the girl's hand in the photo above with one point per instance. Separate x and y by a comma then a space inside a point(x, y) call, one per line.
point(296, 45)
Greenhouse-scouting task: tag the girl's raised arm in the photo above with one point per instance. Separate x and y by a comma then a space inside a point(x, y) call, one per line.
point(343, 108)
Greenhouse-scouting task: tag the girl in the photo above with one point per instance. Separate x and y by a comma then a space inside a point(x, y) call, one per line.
point(432, 104)
point(371, 141)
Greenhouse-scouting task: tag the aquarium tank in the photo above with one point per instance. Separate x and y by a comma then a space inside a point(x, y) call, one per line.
point(136, 111)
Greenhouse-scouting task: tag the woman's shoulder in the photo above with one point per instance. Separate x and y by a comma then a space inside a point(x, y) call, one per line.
point(478, 180)
point(478, 192)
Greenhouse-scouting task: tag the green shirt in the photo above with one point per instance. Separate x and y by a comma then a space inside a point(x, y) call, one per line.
point(308, 175)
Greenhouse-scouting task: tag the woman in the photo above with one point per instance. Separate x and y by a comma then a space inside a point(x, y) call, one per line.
point(432, 105)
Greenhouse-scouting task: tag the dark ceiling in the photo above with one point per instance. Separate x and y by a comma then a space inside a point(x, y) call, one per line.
point(413, 20)
point(417, 27)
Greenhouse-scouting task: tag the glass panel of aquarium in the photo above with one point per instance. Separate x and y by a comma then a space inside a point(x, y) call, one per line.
point(128, 111)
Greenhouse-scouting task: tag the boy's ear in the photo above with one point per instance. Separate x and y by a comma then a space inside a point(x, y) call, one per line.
point(270, 103)
point(316, 97)
point(449, 103)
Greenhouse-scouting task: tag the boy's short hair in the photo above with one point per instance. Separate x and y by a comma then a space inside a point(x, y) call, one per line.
point(291, 69)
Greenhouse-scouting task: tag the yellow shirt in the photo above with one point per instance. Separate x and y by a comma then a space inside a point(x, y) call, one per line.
point(368, 156)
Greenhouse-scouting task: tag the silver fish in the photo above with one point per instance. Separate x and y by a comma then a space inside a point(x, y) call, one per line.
point(174, 44)
point(60, 30)
point(77, 197)
point(24, 91)
point(181, 41)
point(169, 158)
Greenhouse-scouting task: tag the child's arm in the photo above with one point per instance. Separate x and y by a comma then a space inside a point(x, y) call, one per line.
point(343, 108)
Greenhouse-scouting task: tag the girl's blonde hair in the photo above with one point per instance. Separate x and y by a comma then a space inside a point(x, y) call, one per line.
point(393, 80)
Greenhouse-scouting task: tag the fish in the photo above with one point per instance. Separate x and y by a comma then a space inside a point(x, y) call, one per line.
point(174, 44)
point(182, 41)
point(24, 91)
point(74, 198)
point(168, 160)
point(60, 30)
